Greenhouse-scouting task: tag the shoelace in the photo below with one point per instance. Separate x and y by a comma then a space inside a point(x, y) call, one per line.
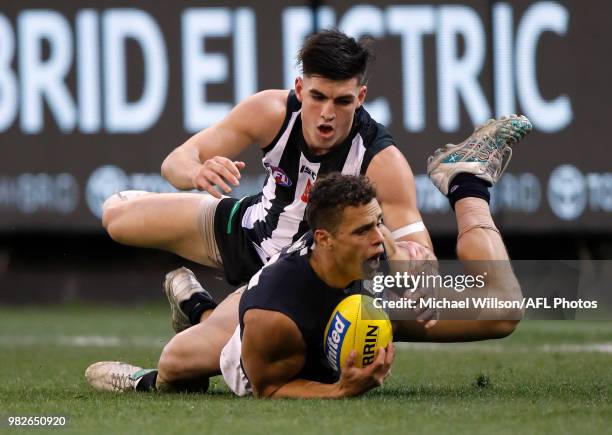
point(497, 162)
point(121, 381)
point(185, 284)
point(496, 169)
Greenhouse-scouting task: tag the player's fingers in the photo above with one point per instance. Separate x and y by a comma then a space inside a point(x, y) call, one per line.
point(239, 165)
point(388, 358)
point(350, 360)
point(382, 371)
point(423, 253)
point(379, 362)
point(214, 192)
point(390, 354)
point(417, 295)
point(423, 313)
point(224, 170)
point(415, 250)
point(378, 368)
point(232, 168)
point(201, 183)
point(427, 315)
point(217, 180)
point(431, 323)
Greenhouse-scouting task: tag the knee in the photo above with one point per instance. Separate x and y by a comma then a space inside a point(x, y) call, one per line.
point(112, 210)
point(169, 366)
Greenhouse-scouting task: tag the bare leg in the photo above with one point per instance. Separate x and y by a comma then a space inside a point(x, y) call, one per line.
point(195, 352)
point(181, 223)
point(485, 155)
point(478, 240)
point(480, 245)
point(478, 237)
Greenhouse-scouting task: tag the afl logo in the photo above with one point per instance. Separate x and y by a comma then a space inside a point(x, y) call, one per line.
point(279, 176)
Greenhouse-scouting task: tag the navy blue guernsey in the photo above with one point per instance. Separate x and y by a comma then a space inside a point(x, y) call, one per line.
point(250, 231)
point(290, 286)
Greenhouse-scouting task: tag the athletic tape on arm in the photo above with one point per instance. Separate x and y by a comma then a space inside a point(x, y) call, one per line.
point(408, 229)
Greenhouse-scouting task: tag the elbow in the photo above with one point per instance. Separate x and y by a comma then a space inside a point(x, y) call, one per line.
point(503, 328)
point(165, 167)
point(171, 161)
point(263, 391)
point(507, 321)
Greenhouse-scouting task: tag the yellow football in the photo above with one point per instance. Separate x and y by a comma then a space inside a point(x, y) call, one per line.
point(356, 324)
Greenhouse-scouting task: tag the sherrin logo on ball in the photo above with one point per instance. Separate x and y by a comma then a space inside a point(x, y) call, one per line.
point(356, 324)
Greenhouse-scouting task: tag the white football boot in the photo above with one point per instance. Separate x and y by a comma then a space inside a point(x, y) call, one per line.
point(114, 376)
point(179, 286)
point(485, 153)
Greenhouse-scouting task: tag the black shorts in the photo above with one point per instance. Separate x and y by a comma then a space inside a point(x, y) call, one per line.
point(240, 259)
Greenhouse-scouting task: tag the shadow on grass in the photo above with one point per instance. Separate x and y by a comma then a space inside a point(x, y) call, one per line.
point(563, 390)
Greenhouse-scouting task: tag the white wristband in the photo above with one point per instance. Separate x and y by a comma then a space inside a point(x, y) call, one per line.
point(408, 229)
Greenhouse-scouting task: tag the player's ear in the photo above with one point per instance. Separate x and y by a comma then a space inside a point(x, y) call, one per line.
point(323, 238)
point(299, 87)
point(363, 90)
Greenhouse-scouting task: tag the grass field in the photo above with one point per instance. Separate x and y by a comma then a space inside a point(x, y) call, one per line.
point(548, 377)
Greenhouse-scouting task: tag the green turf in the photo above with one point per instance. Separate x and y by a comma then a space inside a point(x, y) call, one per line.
point(536, 381)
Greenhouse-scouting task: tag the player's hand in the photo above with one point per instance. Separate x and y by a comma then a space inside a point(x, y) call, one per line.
point(405, 250)
point(428, 316)
point(413, 258)
point(354, 380)
point(220, 172)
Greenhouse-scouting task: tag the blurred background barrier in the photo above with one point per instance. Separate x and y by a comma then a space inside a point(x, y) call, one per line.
point(94, 95)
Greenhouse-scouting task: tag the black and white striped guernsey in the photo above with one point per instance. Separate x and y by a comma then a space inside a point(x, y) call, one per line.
point(261, 225)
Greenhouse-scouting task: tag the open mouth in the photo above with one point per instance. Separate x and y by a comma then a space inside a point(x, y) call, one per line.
point(373, 262)
point(325, 129)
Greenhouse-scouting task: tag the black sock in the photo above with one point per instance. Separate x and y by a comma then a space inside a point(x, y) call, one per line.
point(147, 382)
point(197, 385)
point(466, 185)
point(196, 305)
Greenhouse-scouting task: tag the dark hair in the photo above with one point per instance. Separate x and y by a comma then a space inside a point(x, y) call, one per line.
point(335, 55)
point(331, 195)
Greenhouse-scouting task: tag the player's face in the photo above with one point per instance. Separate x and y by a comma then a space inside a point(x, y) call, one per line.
point(358, 242)
point(328, 109)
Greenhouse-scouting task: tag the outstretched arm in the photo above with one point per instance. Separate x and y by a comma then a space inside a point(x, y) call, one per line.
point(396, 192)
point(481, 249)
point(206, 159)
point(463, 173)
